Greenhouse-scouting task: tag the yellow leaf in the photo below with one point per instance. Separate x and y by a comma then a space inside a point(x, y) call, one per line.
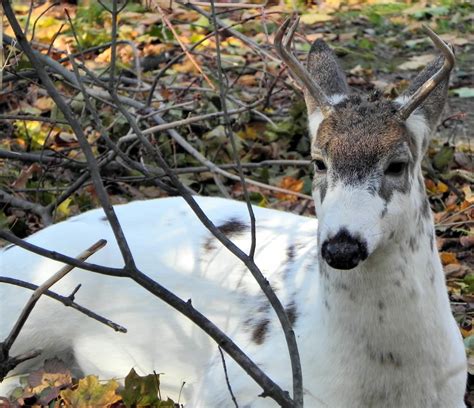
point(44, 103)
point(63, 208)
point(187, 67)
point(441, 187)
point(90, 393)
point(469, 196)
point(313, 18)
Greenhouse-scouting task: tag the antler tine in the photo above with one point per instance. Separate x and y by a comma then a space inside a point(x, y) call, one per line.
point(424, 90)
point(283, 39)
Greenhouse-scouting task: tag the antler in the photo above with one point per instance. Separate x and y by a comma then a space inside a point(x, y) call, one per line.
point(299, 72)
point(424, 90)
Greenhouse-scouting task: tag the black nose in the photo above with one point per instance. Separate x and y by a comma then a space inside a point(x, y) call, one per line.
point(343, 251)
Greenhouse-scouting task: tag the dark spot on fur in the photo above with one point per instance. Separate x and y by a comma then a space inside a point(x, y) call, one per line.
point(341, 286)
point(326, 305)
point(398, 283)
point(290, 258)
point(384, 211)
point(425, 208)
point(432, 278)
point(232, 227)
point(103, 218)
point(381, 305)
point(389, 185)
point(320, 184)
point(413, 244)
point(381, 319)
point(432, 241)
point(260, 331)
point(290, 253)
point(383, 357)
point(392, 234)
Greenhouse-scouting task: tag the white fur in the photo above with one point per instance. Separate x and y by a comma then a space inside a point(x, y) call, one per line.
point(338, 211)
point(339, 315)
point(416, 123)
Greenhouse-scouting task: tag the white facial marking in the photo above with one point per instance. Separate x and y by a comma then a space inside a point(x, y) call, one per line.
point(354, 209)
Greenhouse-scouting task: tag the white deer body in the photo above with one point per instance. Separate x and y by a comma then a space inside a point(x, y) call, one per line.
point(363, 286)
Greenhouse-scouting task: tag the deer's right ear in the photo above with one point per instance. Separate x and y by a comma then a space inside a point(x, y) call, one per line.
point(324, 69)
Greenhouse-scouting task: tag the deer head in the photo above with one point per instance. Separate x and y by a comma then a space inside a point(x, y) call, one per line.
point(366, 152)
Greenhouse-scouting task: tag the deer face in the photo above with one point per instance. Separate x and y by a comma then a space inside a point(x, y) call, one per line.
point(364, 159)
point(366, 154)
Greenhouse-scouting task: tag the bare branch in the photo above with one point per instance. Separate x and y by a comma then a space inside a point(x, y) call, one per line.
point(66, 301)
point(38, 209)
point(77, 129)
point(6, 362)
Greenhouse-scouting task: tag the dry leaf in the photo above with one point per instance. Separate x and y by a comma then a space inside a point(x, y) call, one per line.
point(313, 18)
point(290, 183)
point(448, 258)
point(416, 62)
point(90, 393)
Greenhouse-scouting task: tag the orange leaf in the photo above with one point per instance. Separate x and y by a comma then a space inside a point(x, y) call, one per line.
point(448, 258)
point(290, 183)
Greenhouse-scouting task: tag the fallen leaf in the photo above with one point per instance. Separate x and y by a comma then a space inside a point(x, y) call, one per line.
point(313, 18)
point(143, 391)
point(416, 62)
point(247, 80)
point(448, 258)
point(455, 271)
point(290, 183)
point(90, 393)
point(467, 241)
point(464, 92)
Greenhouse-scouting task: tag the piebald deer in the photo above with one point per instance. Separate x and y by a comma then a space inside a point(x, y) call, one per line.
point(363, 287)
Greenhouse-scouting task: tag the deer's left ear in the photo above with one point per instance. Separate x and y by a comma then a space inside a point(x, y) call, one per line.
point(422, 104)
point(424, 119)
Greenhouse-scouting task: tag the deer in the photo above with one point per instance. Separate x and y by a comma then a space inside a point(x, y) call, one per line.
point(362, 285)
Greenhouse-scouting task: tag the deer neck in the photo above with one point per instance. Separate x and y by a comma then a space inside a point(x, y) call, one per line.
point(404, 277)
point(377, 322)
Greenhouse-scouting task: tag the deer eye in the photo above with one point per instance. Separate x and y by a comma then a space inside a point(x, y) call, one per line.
point(395, 168)
point(319, 165)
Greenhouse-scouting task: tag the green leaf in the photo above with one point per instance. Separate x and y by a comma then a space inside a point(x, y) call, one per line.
point(464, 92)
point(443, 158)
point(143, 391)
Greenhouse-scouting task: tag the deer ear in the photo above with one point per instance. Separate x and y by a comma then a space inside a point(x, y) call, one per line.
point(423, 120)
point(433, 105)
point(324, 69)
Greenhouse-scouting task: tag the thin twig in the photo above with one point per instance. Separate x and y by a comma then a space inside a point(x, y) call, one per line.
point(8, 363)
point(78, 131)
point(246, 40)
point(227, 381)
point(38, 209)
point(181, 44)
point(66, 301)
point(25, 313)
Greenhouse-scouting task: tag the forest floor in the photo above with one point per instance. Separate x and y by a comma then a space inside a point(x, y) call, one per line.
point(380, 45)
